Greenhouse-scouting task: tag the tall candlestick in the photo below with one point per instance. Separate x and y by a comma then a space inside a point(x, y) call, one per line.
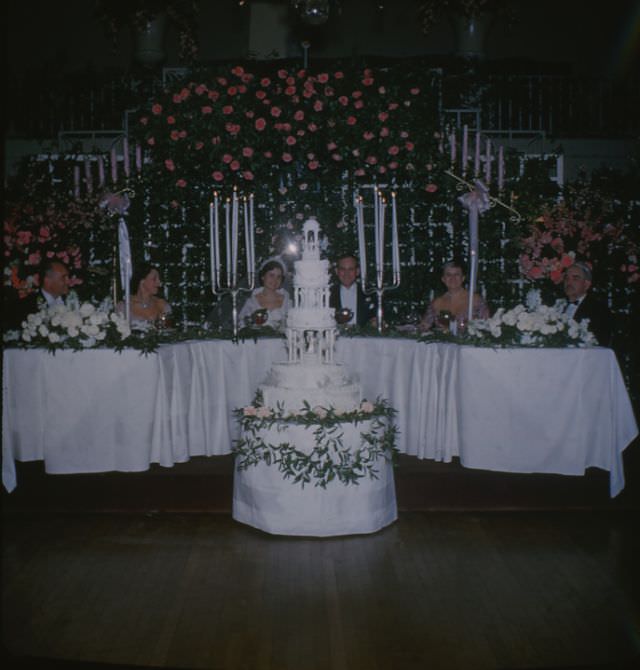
point(395, 247)
point(465, 148)
point(376, 225)
point(125, 156)
point(114, 165)
point(138, 158)
point(476, 163)
point(501, 168)
point(88, 177)
point(76, 181)
point(212, 244)
point(247, 233)
point(252, 229)
point(227, 238)
point(362, 249)
point(383, 208)
point(487, 163)
point(216, 231)
point(100, 171)
point(234, 238)
point(452, 147)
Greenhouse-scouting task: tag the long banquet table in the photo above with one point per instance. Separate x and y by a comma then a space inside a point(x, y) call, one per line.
point(513, 410)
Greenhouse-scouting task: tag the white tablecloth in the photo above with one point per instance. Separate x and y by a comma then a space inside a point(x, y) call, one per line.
point(512, 410)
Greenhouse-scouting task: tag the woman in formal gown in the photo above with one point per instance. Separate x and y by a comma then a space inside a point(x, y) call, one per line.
point(269, 300)
point(146, 307)
point(453, 305)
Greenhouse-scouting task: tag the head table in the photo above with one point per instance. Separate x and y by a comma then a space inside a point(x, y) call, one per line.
point(513, 410)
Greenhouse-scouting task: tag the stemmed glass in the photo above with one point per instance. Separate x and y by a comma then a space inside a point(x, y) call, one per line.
point(343, 315)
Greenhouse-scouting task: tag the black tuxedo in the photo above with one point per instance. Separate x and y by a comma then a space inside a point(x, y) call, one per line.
point(366, 309)
point(599, 318)
point(18, 309)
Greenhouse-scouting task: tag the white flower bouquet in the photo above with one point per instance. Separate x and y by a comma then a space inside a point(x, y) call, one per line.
point(538, 326)
point(75, 325)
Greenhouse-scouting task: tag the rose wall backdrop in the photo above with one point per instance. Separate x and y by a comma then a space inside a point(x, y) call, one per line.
point(304, 143)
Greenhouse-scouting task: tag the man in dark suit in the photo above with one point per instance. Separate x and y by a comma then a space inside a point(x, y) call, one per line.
point(583, 305)
point(54, 286)
point(347, 292)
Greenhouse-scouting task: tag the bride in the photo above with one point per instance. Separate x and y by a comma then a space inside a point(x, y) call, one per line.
point(270, 296)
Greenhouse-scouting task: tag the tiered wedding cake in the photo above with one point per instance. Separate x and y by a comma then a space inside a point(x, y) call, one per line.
point(310, 374)
point(283, 441)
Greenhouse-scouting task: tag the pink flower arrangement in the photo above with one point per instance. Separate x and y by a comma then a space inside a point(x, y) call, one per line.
point(356, 124)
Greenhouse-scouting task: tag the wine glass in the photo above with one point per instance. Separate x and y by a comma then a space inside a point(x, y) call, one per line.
point(260, 317)
point(443, 320)
point(461, 325)
point(343, 315)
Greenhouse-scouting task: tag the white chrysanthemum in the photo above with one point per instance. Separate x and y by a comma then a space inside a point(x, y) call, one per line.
point(43, 330)
point(34, 319)
point(26, 336)
point(56, 321)
point(73, 332)
point(88, 342)
point(54, 338)
point(87, 309)
point(100, 335)
point(496, 331)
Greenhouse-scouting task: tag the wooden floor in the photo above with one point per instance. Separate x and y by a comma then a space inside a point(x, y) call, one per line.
point(457, 589)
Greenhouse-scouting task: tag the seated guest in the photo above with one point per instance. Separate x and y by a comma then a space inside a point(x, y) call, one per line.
point(270, 296)
point(146, 307)
point(347, 293)
point(583, 305)
point(454, 304)
point(54, 287)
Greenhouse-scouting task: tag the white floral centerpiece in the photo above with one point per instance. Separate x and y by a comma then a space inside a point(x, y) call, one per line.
point(74, 325)
point(534, 326)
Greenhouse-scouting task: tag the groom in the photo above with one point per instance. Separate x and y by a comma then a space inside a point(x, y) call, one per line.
point(347, 292)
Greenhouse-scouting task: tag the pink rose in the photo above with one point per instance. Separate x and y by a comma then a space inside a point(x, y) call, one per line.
point(291, 140)
point(368, 135)
point(227, 109)
point(356, 94)
point(331, 146)
point(238, 70)
point(384, 131)
point(199, 145)
point(248, 175)
point(207, 109)
point(144, 120)
point(409, 146)
point(290, 90)
point(275, 112)
point(261, 95)
point(181, 183)
point(217, 175)
point(359, 172)
point(394, 150)
point(232, 90)
point(414, 91)
point(234, 165)
point(317, 106)
point(283, 74)
point(156, 109)
point(338, 75)
point(177, 98)
point(171, 120)
point(431, 188)
point(247, 152)
point(260, 124)
point(323, 78)
point(174, 135)
point(371, 160)
point(312, 127)
point(200, 89)
point(265, 81)
point(299, 115)
point(287, 158)
point(556, 276)
point(169, 165)
point(313, 165)
point(227, 158)
point(358, 104)
point(343, 100)
point(393, 165)
point(151, 141)
point(351, 120)
point(213, 95)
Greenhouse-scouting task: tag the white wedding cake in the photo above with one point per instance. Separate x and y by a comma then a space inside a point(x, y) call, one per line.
point(310, 373)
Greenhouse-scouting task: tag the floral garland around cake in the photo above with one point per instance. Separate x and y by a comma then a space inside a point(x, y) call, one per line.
point(330, 459)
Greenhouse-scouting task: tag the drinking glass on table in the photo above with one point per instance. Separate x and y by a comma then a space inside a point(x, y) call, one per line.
point(443, 320)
